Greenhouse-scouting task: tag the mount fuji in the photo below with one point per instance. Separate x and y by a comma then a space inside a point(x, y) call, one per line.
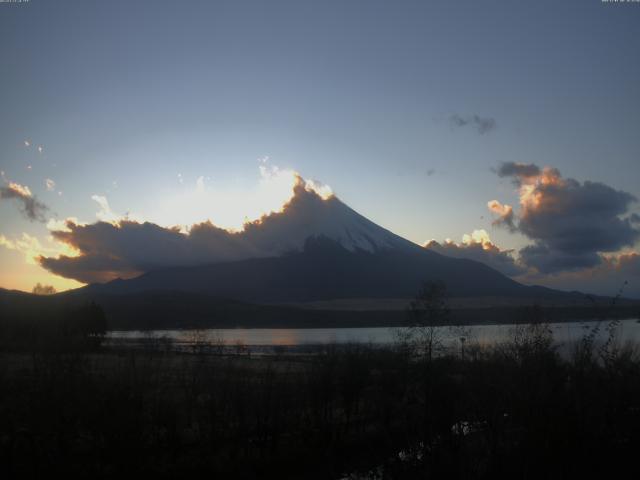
point(315, 249)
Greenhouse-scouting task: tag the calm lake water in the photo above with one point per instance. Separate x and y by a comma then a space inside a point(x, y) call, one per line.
point(563, 333)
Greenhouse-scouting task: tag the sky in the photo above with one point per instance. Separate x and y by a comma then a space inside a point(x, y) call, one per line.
point(416, 114)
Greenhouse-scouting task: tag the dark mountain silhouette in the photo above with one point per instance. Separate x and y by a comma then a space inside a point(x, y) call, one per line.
point(325, 270)
point(320, 249)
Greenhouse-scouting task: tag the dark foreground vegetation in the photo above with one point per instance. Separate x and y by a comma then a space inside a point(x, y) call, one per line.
point(527, 408)
point(64, 328)
point(519, 410)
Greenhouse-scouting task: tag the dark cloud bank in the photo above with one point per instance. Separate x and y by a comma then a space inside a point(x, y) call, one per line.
point(485, 252)
point(612, 274)
point(30, 206)
point(579, 232)
point(571, 223)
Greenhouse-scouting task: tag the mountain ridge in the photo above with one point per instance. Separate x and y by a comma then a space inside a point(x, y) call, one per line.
point(314, 249)
point(325, 270)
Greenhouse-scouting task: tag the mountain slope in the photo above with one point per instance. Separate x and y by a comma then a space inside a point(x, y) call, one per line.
point(326, 270)
point(317, 249)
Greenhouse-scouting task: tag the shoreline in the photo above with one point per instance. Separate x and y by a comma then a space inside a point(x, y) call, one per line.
point(309, 319)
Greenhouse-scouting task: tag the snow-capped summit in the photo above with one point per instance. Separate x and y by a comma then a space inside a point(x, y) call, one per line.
point(309, 215)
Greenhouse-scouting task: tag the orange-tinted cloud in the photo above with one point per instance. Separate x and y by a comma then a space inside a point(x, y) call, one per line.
point(570, 222)
point(478, 246)
point(504, 214)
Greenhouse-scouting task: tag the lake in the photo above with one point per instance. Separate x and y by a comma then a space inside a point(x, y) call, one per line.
point(563, 333)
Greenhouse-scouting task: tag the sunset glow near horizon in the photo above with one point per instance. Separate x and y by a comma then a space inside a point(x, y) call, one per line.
point(522, 155)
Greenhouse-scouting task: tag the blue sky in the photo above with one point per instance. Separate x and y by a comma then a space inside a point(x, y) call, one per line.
point(356, 94)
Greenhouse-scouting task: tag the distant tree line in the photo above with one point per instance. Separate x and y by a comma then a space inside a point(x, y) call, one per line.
point(34, 325)
point(40, 289)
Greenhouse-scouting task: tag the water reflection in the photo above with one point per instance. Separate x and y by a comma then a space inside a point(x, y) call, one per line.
point(483, 335)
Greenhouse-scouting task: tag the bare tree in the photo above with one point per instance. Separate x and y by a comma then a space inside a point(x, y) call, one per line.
point(40, 289)
point(429, 310)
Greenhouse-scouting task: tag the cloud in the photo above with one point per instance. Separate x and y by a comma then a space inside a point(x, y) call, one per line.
point(505, 214)
point(478, 246)
point(105, 213)
point(61, 225)
point(518, 170)
point(30, 206)
point(570, 222)
point(320, 189)
point(547, 260)
point(627, 264)
point(32, 249)
point(200, 184)
point(481, 124)
point(126, 248)
point(612, 273)
point(89, 268)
